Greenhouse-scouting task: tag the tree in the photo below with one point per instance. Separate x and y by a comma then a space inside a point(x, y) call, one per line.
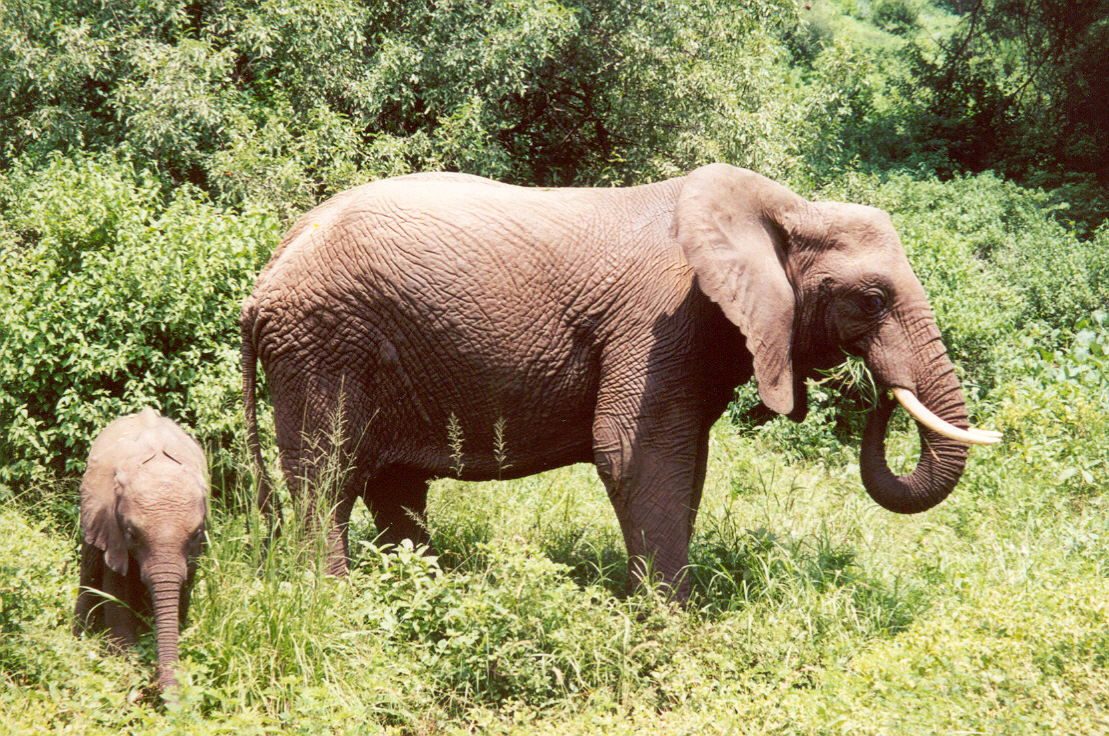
point(1021, 87)
point(287, 100)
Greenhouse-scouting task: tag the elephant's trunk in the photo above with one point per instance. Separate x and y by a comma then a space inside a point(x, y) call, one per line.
point(165, 590)
point(941, 460)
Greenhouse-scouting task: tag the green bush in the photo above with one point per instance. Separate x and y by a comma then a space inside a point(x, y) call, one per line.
point(402, 635)
point(1054, 405)
point(517, 630)
point(1012, 659)
point(34, 587)
point(115, 295)
point(812, 34)
point(283, 101)
point(895, 16)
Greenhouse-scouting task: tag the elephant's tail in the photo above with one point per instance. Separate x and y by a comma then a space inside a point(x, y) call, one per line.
point(268, 502)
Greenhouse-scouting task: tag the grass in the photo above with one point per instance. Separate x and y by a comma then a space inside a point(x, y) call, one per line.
point(813, 612)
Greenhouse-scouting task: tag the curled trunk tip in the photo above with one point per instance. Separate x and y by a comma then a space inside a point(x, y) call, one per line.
point(938, 469)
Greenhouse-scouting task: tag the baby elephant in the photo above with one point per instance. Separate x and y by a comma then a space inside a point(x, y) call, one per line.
point(144, 497)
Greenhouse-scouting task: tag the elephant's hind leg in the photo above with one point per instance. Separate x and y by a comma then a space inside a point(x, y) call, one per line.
point(398, 500)
point(338, 537)
point(316, 463)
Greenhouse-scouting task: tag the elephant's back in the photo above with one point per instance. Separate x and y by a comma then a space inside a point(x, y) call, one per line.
point(142, 434)
point(429, 213)
point(384, 199)
point(446, 243)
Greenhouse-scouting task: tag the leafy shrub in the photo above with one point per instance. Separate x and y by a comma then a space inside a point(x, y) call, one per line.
point(283, 102)
point(1055, 405)
point(113, 296)
point(33, 585)
point(811, 35)
point(517, 630)
point(38, 652)
point(895, 16)
point(838, 406)
point(400, 634)
point(269, 630)
point(1015, 658)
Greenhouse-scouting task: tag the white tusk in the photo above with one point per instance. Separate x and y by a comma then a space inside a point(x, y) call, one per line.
point(922, 414)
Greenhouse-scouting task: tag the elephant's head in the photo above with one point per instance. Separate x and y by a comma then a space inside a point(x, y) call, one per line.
point(144, 500)
point(809, 282)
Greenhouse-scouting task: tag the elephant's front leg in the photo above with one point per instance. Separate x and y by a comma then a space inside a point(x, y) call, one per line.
point(650, 471)
point(123, 606)
point(89, 611)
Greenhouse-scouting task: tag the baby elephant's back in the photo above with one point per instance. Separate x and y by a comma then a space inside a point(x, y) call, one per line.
point(137, 437)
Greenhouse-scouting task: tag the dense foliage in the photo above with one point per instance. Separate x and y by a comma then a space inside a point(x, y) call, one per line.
point(1030, 72)
point(1011, 86)
point(288, 100)
point(116, 296)
point(152, 152)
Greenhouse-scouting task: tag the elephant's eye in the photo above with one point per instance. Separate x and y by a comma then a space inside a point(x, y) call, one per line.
point(130, 536)
point(873, 303)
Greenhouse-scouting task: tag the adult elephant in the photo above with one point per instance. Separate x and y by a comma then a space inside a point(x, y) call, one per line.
point(462, 327)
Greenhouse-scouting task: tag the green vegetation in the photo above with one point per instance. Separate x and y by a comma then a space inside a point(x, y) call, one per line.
point(117, 294)
point(151, 153)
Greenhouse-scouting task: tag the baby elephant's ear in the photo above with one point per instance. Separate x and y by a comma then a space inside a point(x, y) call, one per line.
point(732, 225)
point(98, 514)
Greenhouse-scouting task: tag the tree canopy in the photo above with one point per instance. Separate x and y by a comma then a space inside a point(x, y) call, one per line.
point(140, 141)
point(288, 100)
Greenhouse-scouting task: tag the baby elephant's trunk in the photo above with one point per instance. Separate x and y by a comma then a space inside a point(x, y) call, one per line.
point(165, 585)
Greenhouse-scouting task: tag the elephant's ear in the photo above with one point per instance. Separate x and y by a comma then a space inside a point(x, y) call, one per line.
point(98, 513)
point(732, 225)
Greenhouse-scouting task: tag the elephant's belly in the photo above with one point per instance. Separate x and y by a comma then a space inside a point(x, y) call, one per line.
point(487, 430)
point(480, 415)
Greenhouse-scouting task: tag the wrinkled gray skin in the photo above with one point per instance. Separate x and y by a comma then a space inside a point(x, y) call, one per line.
point(144, 497)
point(608, 326)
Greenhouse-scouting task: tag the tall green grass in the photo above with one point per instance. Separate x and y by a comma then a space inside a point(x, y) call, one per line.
point(812, 612)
